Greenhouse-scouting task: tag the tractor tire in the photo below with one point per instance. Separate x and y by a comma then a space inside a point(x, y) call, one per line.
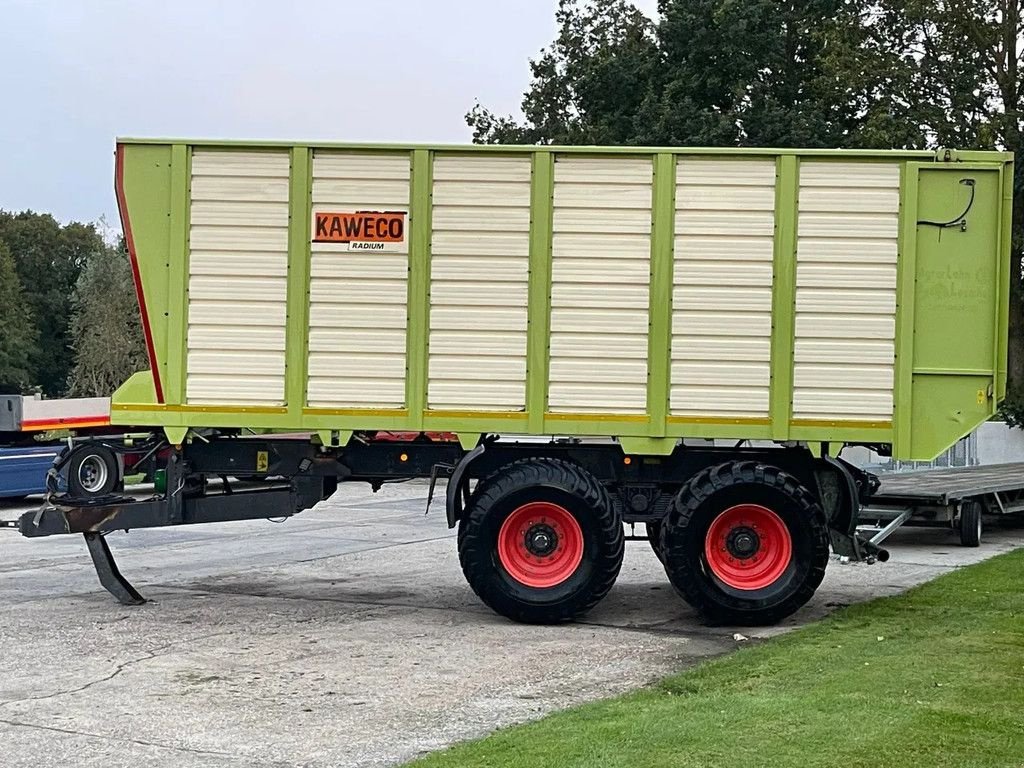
point(654, 539)
point(93, 471)
point(745, 544)
point(969, 524)
point(540, 541)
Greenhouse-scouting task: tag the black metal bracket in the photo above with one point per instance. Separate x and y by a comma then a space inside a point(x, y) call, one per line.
point(454, 494)
point(856, 488)
point(436, 472)
point(109, 575)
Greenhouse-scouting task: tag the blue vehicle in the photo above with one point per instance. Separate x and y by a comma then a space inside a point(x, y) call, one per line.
point(23, 469)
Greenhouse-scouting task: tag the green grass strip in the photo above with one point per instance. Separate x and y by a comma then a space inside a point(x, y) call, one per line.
point(933, 677)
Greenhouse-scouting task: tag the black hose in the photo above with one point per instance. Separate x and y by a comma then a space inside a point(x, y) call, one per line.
point(954, 222)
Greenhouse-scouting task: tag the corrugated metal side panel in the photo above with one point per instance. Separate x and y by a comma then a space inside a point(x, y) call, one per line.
point(722, 292)
point(238, 267)
point(479, 282)
point(600, 276)
point(357, 301)
point(844, 351)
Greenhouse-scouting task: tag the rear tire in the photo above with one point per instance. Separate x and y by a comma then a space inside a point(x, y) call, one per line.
point(540, 542)
point(745, 543)
point(93, 471)
point(969, 524)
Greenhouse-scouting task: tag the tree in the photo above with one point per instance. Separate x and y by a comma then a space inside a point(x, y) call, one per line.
point(48, 258)
point(747, 73)
point(712, 72)
point(589, 86)
point(17, 329)
point(105, 326)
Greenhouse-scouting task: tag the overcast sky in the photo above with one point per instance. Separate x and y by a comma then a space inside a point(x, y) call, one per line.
point(77, 73)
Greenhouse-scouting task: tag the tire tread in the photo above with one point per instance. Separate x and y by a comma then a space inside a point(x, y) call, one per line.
point(475, 550)
point(684, 576)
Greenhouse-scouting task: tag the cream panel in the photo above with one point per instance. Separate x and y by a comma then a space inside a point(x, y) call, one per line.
point(722, 289)
point(848, 230)
point(357, 301)
point(600, 279)
point(479, 283)
point(238, 265)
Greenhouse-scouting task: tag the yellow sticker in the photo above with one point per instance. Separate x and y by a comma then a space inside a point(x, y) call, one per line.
point(262, 461)
point(981, 397)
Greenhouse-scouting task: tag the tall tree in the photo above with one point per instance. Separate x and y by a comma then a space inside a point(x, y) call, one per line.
point(49, 258)
point(711, 72)
point(589, 86)
point(17, 330)
point(105, 326)
point(746, 72)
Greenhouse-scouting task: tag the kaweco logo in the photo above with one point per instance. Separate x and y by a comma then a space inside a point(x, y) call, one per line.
point(361, 230)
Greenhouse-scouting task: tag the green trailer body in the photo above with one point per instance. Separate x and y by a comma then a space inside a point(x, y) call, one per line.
point(643, 293)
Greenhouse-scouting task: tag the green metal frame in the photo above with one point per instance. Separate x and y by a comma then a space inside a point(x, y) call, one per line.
point(300, 201)
point(155, 184)
point(906, 280)
point(538, 314)
point(418, 328)
point(659, 332)
point(787, 190)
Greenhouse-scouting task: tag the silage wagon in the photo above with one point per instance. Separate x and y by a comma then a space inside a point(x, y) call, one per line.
point(679, 337)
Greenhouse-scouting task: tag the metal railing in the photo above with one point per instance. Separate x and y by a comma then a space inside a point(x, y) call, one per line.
point(963, 454)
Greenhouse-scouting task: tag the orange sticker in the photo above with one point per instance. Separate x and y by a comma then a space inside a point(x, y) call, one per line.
point(359, 227)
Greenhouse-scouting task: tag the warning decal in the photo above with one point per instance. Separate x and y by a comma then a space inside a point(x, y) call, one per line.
point(361, 230)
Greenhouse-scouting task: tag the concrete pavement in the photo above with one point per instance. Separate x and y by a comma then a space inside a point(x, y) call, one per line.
point(343, 637)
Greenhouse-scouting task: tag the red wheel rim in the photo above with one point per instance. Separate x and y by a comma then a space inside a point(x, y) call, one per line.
point(540, 544)
point(748, 547)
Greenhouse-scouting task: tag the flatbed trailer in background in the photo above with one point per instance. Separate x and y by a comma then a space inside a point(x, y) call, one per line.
point(25, 459)
point(611, 306)
point(72, 434)
point(954, 496)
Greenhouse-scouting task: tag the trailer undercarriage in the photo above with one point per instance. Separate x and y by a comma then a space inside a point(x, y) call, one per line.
point(783, 509)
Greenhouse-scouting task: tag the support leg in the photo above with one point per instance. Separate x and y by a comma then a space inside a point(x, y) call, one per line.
point(106, 569)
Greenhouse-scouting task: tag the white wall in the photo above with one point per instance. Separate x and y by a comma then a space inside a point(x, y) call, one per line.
point(999, 443)
point(992, 443)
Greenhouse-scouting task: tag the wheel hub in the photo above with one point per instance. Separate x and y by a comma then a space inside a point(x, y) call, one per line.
point(92, 474)
point(743, 542)
point(541, 540)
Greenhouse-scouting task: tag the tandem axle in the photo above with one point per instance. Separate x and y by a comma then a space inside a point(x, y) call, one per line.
point(744, 533)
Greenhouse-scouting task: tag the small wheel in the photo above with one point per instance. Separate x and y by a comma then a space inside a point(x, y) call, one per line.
point(540, 541)
point(745, 543)
point(92, 471)
point(654, 539)
point(969, 525)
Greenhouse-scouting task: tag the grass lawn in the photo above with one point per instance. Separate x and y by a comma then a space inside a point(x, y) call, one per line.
point(934, 677)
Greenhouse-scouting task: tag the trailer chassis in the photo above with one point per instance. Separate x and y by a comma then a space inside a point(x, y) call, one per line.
point(287, 474)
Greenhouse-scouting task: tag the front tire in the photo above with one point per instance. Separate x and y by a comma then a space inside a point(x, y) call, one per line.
point(654, 539)
point(745, 543)
point(540, 542)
